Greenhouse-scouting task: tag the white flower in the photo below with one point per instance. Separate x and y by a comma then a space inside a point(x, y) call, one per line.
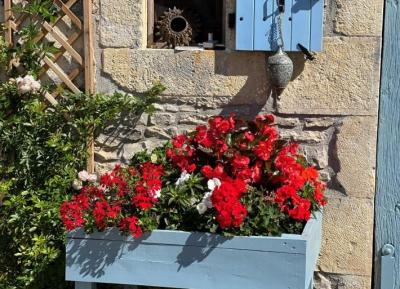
point(24, 89)
point(92, 178)
point(205, 204)
point(201, 208)
point(77, 185)
point(104, 188)
point(35, 85)
point(213, 183)
point(182, 179)
point(22, 2)
point(157, 194)
point(83, 176)
point(207, 200)
point(27, 84)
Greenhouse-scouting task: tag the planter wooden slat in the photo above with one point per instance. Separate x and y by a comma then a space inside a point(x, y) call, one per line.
point(195, 260)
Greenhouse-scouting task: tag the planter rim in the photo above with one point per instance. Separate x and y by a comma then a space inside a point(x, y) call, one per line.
point(293, 243)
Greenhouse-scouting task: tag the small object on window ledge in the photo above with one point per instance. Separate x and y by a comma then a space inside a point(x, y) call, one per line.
point(219, 46)
point(188, 48)
point(210, 43)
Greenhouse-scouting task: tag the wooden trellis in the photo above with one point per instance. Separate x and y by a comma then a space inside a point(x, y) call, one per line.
point(72, 67)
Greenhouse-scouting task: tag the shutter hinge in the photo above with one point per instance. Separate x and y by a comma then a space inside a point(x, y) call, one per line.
point(387, 267)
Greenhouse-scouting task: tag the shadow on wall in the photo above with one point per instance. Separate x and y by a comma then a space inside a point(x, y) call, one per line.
point(257, 90)
point(118, 133)
point(108, 255)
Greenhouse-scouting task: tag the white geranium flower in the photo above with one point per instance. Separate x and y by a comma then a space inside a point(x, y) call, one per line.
point(157, 194)
point(182, 179)
point(207, 200)
point(213, 183)
point(201, 208)
point(83, 176)
point(103, 188)
point(77, 184)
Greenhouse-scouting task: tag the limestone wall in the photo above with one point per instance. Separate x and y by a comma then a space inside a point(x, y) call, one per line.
point(330, 107)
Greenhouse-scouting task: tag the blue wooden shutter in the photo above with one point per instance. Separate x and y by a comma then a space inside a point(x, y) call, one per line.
point(302, 24)
point(244, 24)
point(317, 25)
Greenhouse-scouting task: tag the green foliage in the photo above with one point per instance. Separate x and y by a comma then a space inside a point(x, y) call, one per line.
point(44, 9)
point(41, 150)
point(30, 53)
point(3, 51)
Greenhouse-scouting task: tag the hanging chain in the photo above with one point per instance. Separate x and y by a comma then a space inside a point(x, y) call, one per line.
point(281, 15)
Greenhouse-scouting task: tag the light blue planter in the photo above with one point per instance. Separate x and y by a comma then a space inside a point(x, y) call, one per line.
point(194, 260)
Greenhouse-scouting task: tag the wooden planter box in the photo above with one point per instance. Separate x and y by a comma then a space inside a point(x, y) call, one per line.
point(194, 260)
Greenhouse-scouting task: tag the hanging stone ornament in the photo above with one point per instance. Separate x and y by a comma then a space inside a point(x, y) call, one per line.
point(280, 65)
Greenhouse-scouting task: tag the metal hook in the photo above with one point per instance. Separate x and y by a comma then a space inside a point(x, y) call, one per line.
point(281, 6)
point(306, 52)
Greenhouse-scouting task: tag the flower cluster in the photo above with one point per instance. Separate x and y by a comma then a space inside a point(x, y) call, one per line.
point(27, 84)
point(102, 203)
point(148, 189)
point(247, 155)
point(297, 180)
point(202, 180)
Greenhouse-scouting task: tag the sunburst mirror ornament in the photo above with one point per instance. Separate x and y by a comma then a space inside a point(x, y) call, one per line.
point(177, 27)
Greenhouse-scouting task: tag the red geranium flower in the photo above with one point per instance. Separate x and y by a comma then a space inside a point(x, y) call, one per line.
point(131, 224)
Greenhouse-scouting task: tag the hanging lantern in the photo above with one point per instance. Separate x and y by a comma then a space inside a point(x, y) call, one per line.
point(280, 67)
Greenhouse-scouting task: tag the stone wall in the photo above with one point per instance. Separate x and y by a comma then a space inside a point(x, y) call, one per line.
point(330, 107)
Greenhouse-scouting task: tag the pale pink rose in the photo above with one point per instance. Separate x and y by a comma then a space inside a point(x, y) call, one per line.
point(92, 178)
point(35, 86)
point(83, 176)
point(27, 84)
point(24, 88)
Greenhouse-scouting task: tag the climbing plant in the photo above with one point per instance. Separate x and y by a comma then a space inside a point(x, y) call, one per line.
point(41, 150)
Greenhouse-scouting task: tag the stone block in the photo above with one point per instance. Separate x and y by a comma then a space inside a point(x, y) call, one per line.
point(317, 155)
point(343, 79)
point(156, 132)
point(241, 77)
point(103, 156)
point(162, 119)
point(347, 236)
point(359, 17)
point(320, 123)
point(123, 23)
point(304, 136)
point(355, 149)
point(287, 122)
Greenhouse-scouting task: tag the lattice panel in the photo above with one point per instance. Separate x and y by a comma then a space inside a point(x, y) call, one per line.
point(72, 66)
